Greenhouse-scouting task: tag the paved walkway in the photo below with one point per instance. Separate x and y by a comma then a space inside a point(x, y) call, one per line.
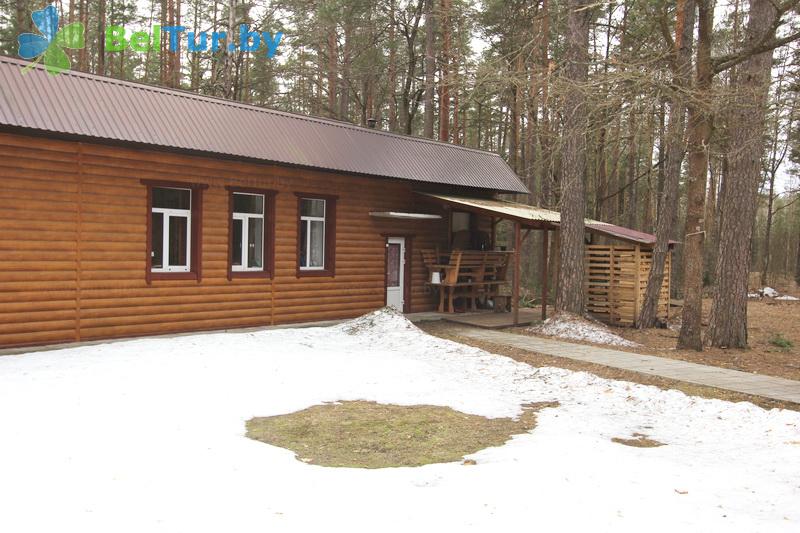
point(781, 389)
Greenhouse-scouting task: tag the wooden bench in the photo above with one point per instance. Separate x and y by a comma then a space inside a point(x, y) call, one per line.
point(472, 275)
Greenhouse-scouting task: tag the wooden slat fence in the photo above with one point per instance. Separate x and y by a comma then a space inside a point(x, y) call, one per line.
point(616, 281)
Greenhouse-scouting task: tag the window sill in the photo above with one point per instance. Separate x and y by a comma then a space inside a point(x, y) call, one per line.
point(315, 273)
point(233, 274)
point(173, 276)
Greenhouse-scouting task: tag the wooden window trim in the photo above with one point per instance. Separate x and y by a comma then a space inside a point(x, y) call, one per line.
point(196, 267)
point(330, 235)
point(269, 232)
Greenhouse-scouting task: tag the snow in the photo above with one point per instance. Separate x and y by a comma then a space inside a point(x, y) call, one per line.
point(148, 435)
point(769, 292)
point(572, 327)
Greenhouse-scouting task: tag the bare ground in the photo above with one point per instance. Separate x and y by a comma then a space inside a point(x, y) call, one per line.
point(361, 434)
point(769, 322)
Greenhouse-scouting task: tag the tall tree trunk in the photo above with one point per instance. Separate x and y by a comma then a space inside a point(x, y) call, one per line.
point(430, 68)
point(516, 112)
point(709, 255)
point(631, 166)
point(214, 58)
point(767, 254)
point(668, 203)
point(775, 161)
point(175, 81)
point(229, 67)
point(332, 71)
point(576, 71)
point(797, 264)
point(347, 52)
point(545, 178)
point(83, 53)
point(194, 70)
point(407, 102)
point(444, 104)
point(392, 67)
point(728, 324)
point(101, 41)
point(532, 104)
point(699, 137)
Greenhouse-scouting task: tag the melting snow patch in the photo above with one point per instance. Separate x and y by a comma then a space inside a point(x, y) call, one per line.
point(787, 298)
point(571, 327)
point(769, 292)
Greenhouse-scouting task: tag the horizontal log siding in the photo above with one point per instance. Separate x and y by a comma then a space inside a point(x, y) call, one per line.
point(73, 239)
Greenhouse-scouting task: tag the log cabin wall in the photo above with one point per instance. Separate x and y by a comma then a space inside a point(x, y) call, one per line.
point(73, 219)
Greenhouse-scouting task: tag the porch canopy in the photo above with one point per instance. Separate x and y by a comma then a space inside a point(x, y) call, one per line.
point(534, 218)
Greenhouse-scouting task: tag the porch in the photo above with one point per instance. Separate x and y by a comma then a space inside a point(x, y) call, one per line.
point(477, 270)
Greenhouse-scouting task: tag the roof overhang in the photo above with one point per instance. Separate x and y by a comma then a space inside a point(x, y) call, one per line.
point(405, 216)
point(527, 215)
point(533, 217)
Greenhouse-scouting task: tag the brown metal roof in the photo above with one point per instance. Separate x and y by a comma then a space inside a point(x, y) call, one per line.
point(75, 103)
point(623, 233)
point(538, 217)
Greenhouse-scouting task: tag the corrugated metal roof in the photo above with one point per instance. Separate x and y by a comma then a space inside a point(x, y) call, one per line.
point(626, 234)
point(503, 208)
point(530, 214)
point(82, 104)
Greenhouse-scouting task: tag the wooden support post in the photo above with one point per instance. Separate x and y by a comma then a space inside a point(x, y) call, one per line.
point(545, 279)
point(515, 289)
point(494, 233)
point(637, 284)
point(556, 259)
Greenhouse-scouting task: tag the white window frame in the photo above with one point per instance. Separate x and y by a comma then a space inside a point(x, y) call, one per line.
point(307, 220)
point(244, 217)
point(167, 213)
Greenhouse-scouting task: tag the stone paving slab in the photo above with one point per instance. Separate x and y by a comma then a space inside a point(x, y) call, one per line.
point(775, 388)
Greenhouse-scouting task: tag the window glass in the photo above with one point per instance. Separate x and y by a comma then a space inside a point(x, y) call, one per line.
point(304, 244)
point(317, 243)
point(312, 208)
point(236, 245)
point(248, 203)
point(255, 236)
point(157, 242)
point(178, 238)
point(393, 265)
point(172, 198)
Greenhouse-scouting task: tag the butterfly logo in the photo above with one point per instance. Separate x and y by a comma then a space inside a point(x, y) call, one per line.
point(49, 46)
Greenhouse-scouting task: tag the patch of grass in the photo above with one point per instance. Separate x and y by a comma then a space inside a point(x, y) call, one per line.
point(780, 341)
point(639, 440)
point(365, 434)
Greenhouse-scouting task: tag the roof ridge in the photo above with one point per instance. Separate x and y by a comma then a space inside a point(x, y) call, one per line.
point(182, 93)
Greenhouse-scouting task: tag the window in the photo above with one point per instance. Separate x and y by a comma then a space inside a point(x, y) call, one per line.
point(170, 223)
point(316, 235)
point(312, 234)
point(251, 232)
point(247, 246)
point(174, 225)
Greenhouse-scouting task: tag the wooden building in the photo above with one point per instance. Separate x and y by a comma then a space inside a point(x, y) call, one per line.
point(130, 210)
